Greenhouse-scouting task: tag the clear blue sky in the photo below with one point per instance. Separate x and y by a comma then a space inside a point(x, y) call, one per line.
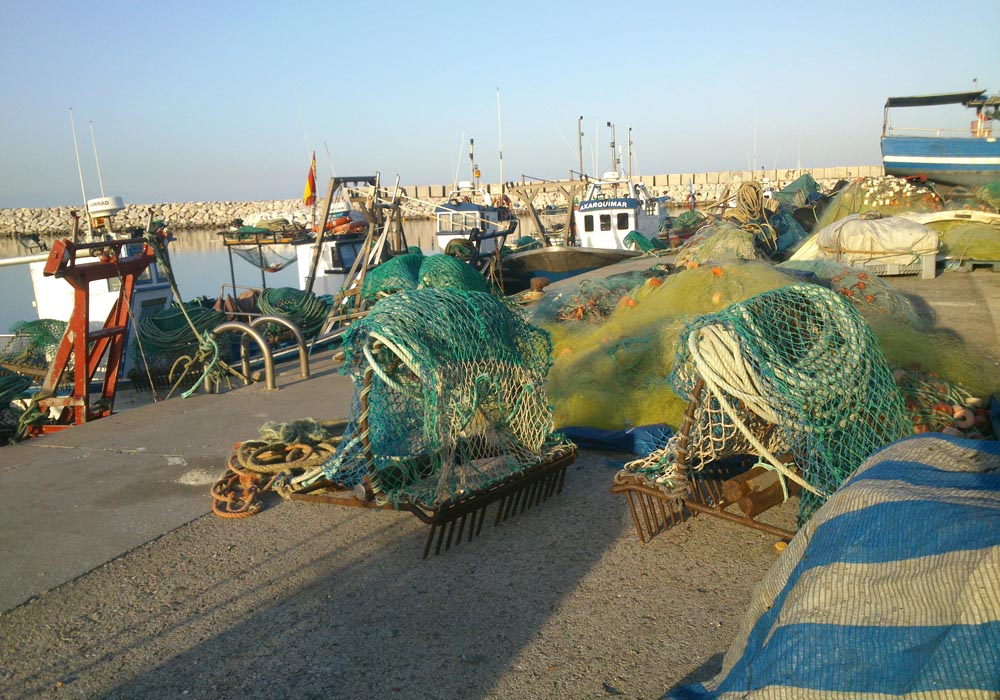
point(223, 100)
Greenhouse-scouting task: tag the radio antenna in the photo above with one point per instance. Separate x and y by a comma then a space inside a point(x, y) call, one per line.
point(100, 180)
point(76, 148)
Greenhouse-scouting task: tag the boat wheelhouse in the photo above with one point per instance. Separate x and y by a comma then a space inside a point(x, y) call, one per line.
point(613, 207)
point(961, 157)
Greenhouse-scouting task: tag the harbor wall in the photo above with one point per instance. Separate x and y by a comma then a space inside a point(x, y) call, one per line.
point(707, 187)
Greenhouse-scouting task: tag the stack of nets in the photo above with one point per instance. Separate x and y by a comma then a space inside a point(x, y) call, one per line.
point(166, 335)
point(449, 400)
point(12, 386)
point(33, 346)
point(304, 309)
point(614, 339)
point(970, 240)
point(887, 195)
point(791, 372)
point(418, 271)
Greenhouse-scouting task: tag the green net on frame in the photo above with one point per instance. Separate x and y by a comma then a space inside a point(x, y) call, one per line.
point(795, 371)
point(449, 398)
point(34, 343)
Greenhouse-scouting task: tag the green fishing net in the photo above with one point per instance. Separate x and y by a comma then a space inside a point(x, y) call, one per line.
point(33, 345)
point(717, 242)
point(449, 399)
point(304, 309)
point(969, 240)
point(166, 335)
point(887, 195)
point(793, 372)
point(418, 271)
point(614, 339)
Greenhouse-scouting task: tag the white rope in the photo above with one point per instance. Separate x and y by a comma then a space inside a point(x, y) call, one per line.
point(739, 380)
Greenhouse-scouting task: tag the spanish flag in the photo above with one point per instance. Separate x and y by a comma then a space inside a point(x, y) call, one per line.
point(309, 196)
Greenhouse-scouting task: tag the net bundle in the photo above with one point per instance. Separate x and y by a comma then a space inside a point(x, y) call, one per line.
point(34, 343)
point(793, 372)
point(418, 271)
point(887, 195)
point(304, 309)
point(267, 258)
point(449, 399)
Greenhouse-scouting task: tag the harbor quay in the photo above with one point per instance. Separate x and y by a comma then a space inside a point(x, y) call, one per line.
point(418, 201)
point(118, 582)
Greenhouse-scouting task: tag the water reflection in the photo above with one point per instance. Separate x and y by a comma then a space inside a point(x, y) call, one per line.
point(200, 261)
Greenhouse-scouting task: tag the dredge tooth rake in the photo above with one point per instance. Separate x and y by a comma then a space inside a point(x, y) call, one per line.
point(713, 489)
point(513, 496)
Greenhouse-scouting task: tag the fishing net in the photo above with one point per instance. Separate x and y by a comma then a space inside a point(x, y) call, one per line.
point(719, 241)
point(12, 386)
point(887, 195)
point(614, 339)
point(304, 309)
point(166, 335)
point(969, 240)
point(396, 274)
point(908, 338)
point(935, 405)
point(33, 345)
point(989, 194)
point(449, 399)
point(418, 271)
point(794, 372)
point(267, 258)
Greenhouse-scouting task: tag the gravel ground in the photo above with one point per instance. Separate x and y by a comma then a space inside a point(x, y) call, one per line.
point(318, 601)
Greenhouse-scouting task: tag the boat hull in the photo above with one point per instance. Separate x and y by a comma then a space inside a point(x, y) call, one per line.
point(559, 262)
point(968, 162)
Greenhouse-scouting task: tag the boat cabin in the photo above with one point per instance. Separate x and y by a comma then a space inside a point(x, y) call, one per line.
point(471, 214)
point(613, 207)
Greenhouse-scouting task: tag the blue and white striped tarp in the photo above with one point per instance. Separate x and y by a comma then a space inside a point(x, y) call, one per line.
point(891, 590)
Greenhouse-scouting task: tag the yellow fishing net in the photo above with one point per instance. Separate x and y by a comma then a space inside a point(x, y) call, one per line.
point(887, 195)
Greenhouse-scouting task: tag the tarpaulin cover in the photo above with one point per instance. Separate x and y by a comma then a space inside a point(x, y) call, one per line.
point(859, 238)
point(889, 590)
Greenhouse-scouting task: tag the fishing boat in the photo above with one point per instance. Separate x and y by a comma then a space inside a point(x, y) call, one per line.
point(614, 206)
point(967, 158)
point(55, 299)
point(472, 217)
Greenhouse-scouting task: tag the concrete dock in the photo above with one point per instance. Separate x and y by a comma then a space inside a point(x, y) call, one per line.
point(117, 582)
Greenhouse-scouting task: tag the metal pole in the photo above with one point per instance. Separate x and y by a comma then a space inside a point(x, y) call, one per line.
point(579, 142)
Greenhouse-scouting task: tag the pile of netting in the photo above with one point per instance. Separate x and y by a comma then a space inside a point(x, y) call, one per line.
point(34, 344)
point(989, 194)
point(968, 240)
point(887, 195)
point(936, 406)
point(417, 271)
point(267, 258)
point(719, 241)
point(449, 400)
point(614, 338)
point(12, 386)
point(304, 309)
point(794, 372)
point(165, 336)
point(908, 339)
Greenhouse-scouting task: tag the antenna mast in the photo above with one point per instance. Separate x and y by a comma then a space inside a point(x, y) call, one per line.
point(500, 136)
point(76, 148)
point(96, 159)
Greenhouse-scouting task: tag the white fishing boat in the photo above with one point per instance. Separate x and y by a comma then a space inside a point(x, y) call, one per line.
point(614, 206)
point(472, 216)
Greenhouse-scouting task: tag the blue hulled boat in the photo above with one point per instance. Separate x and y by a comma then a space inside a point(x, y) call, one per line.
point(966, 158)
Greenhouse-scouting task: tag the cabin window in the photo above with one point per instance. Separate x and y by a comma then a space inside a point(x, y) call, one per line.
point(623, 222)
point(348, 253)
point(588, 223)
point(605, 222)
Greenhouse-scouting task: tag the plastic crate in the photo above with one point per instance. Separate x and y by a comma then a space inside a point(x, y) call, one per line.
point(925, 266)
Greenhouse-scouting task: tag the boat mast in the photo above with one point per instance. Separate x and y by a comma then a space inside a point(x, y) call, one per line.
point(500, 137)
point(97, 161)
point(614, 153)
point(76, 148)
point(579, 143)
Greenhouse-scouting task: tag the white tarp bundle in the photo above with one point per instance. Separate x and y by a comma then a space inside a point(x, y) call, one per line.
point(891, 590)
point(868, 237)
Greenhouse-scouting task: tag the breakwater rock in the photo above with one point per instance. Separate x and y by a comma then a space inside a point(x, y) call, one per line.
point(181, 215)
point(418, 202)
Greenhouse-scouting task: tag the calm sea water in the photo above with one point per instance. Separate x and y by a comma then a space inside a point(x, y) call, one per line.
point(201, 267)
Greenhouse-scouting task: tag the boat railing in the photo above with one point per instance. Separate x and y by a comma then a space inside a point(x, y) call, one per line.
point(924, 131)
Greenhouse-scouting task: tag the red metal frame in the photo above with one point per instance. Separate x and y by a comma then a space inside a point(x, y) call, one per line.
point(87, 348)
